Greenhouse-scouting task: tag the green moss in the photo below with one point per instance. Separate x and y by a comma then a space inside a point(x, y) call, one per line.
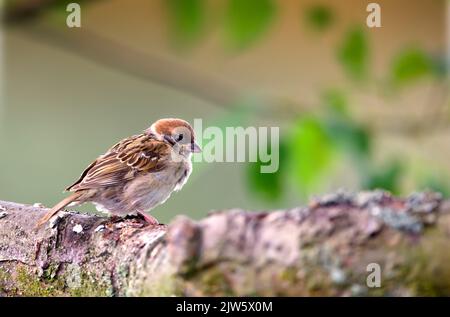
point(428, 272)
point(166, 285)
point(318, 283)
point(89, 289)
point(381, 291)
point(189, 268)
point(3, 279)
point(213, 282)
point(289, 275)
point(82, 284)
point(50, 273)
point(28, 284)
point(206, 281)
point(124, 270)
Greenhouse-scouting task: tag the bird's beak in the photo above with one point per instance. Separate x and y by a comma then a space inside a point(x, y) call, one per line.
point(195, 148)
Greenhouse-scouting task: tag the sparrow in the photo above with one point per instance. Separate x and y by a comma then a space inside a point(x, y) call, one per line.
point(136, 174)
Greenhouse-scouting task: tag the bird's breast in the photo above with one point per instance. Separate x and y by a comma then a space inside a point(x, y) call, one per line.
point(148, 191)
point(184, 173)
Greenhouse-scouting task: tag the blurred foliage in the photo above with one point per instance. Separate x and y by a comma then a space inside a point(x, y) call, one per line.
point(434, 183)
point(319, 17)
point(247, 20)
point(348, 135)
point(310, 146)
point(336, 102)
point(310, 152)
point(353, 54)
point(269, 186)
point(187, 19)
point(345, 131)
point(311, 143)
point(410, 65)
point(345, 138)
point(386, 177)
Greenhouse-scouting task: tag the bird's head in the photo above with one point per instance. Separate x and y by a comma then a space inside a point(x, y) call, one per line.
point(177, 133)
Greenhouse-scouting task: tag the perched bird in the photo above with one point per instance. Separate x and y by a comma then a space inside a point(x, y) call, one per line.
point(138, 173)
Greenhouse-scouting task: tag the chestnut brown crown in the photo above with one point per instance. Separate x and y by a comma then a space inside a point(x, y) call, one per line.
point(172, 131)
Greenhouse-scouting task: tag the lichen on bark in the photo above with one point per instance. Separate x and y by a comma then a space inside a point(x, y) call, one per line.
point(323, 249)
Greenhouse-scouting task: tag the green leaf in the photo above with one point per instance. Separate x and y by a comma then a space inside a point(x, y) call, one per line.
point(410, 65)
point(335, 101)
point(187, 20)
point(387, 177)
point(353, 54)
point(310, 152)
point(436, 184)
point(269, 186)
point(247, 20)
point(347, 134)
point(319, 17)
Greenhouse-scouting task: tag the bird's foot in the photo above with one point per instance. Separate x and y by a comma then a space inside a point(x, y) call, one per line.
point(116, 219)
point(148, 218)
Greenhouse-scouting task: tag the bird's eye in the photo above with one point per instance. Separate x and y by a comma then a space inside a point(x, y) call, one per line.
point(179, 137)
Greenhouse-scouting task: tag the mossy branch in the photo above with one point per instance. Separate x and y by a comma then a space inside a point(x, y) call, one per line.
point(323, 249)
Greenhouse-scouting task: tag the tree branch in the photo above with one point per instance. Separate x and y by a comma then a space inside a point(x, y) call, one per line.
point(322, 249)
point(146, 66)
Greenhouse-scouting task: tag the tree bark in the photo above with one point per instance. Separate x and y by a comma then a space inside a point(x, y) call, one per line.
point(334, 246)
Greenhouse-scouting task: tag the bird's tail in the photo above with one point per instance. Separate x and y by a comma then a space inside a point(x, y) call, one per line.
point(63, 203)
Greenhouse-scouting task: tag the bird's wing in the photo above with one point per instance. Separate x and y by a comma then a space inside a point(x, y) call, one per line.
point(137, 154)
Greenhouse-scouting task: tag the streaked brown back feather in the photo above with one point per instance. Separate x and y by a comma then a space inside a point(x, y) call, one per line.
point(138, 154)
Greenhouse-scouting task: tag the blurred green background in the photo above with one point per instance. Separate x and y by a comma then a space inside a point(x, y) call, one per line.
point(358, 107)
